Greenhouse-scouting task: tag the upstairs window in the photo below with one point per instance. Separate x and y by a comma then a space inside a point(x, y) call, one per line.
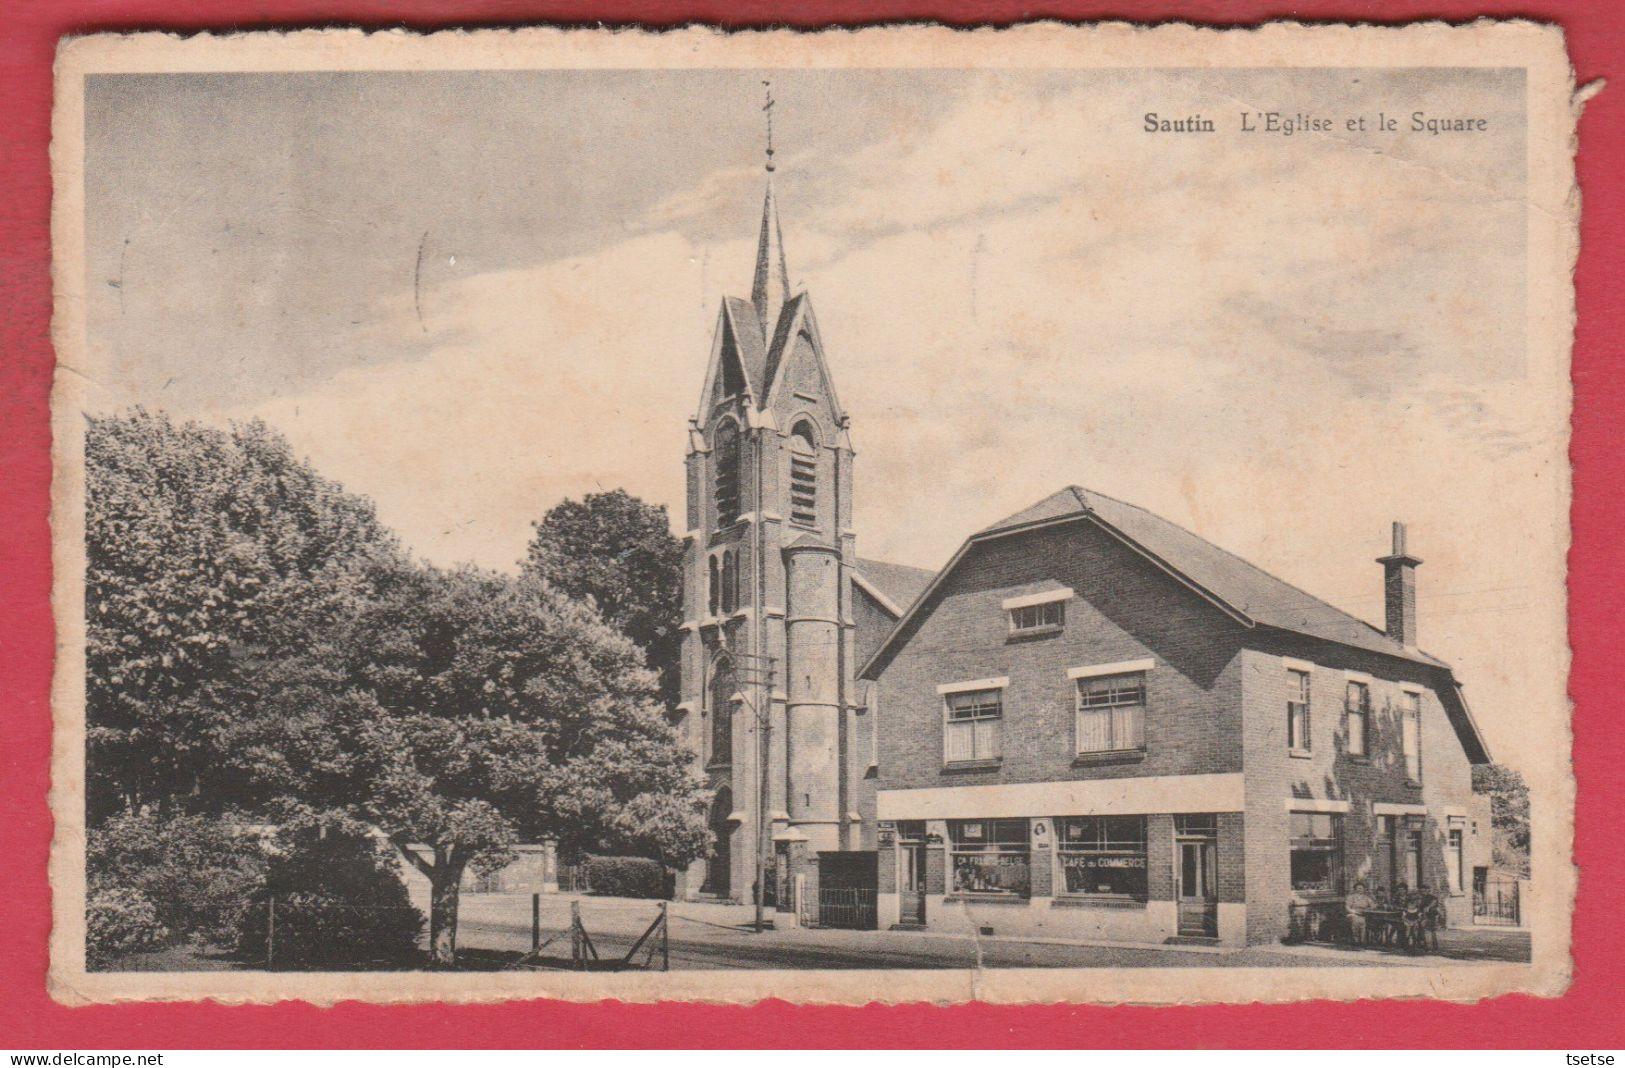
point(1111, 713)
point(1297, 710)
point(972, 727)
point(1410, 733)
point(1358, 705)
point(1032, 618)
point(803, 475)
point(1037, 613)
point(713, 598)
point(726, 456)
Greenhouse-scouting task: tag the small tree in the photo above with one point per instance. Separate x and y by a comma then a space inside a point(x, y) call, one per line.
point(620, 552)
point(197, 872)
point(1509, 813)
point(337, 896)
point(459, 712)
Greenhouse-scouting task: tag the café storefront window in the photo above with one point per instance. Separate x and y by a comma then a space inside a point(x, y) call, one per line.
point(1317, 852)
point(990, 857)
point(1102, 856)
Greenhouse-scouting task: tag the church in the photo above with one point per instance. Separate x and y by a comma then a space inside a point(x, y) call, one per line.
point(1090, 724)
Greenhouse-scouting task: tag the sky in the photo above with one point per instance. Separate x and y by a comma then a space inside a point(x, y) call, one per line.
point(470, 295)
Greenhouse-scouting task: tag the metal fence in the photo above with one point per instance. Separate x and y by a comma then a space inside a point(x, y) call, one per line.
point(852, 908)
point(1496, 903)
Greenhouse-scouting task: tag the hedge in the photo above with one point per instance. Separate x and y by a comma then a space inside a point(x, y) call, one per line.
point(628, 877)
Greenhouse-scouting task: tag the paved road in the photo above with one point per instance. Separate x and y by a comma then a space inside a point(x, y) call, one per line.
point(496, 927)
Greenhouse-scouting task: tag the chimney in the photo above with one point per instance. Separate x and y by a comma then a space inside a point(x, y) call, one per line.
point(1399, 589)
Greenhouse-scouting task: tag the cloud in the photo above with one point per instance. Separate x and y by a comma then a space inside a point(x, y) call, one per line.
point(1281, 348)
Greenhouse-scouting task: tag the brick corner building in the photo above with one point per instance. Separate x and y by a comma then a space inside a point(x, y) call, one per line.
point(1090, 724)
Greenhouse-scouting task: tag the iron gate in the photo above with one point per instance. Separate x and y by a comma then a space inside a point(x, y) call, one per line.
point(847, 884)
point(1496, 903)
point(849, 907)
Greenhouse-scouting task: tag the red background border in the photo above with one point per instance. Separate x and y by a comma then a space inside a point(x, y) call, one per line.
point(1590, 1015)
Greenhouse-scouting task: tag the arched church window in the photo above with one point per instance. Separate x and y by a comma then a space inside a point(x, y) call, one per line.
point(713, 595)
point(730, 581)
point(725, 458)
point(722, 707)
point(804, 475)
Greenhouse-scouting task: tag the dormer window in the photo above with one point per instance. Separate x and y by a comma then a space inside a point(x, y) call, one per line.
point(803, 475)
point(1037, 613)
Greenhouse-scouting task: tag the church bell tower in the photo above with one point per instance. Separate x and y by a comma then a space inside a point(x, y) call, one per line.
point(768, 654)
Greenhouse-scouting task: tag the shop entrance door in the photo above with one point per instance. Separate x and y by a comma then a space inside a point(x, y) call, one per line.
point(1198, 889)
point(911, 884)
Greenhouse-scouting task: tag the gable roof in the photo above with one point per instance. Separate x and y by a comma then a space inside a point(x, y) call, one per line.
point(899, 584)
point(1248, 594)
point(782, 337)
point(747, 332)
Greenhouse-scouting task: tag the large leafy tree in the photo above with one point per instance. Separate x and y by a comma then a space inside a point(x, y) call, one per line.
point(201, 544)
point(619, 551)
point(1509, 813)
point(461, 711)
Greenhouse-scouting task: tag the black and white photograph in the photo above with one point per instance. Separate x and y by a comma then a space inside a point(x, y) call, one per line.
point(1075, 514)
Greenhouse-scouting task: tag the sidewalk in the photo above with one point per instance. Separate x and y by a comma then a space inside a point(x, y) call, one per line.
point(713, 935)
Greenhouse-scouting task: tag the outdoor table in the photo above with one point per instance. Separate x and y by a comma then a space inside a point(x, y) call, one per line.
point(1384, 921)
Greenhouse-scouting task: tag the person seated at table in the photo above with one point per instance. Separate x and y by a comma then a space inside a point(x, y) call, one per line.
point(1356, 904)
point(1433, 915)
point(1380, 929)
point(1412, 917)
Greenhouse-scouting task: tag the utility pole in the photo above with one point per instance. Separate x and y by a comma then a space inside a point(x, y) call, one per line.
point(758, 670)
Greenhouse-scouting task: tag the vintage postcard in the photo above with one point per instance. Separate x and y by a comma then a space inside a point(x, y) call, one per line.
point(889, 515)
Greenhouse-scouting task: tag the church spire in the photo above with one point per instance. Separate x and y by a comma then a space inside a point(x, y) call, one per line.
point(771, 287)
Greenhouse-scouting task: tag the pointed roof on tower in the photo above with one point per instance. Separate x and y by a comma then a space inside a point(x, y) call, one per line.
point(771, 287)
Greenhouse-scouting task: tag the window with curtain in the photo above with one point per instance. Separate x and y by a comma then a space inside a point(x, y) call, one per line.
point(972, 727)
point(1297, 710)
point(1317, 852)
point(1102, 856)
point(1111, 713)
point(1410, 733)
point(1358, 708)
point(990, 857)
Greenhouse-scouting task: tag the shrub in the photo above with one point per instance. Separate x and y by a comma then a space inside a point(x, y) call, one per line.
point(627, 877)
point(337, 898)
point(197, 872)
point(119, 921)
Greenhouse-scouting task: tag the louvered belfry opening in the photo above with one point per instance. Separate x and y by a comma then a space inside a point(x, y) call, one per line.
point(803, 476)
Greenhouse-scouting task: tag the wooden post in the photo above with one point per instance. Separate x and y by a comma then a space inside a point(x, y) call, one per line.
point(535, 924)
point(270, 930)
point(665, 937)
point(576, 956)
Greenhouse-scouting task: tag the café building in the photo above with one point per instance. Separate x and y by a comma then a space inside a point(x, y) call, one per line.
point(1095, 724)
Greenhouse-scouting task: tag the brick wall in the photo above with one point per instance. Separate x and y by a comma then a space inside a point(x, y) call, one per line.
point(1123, 609)
point(1330, 772)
